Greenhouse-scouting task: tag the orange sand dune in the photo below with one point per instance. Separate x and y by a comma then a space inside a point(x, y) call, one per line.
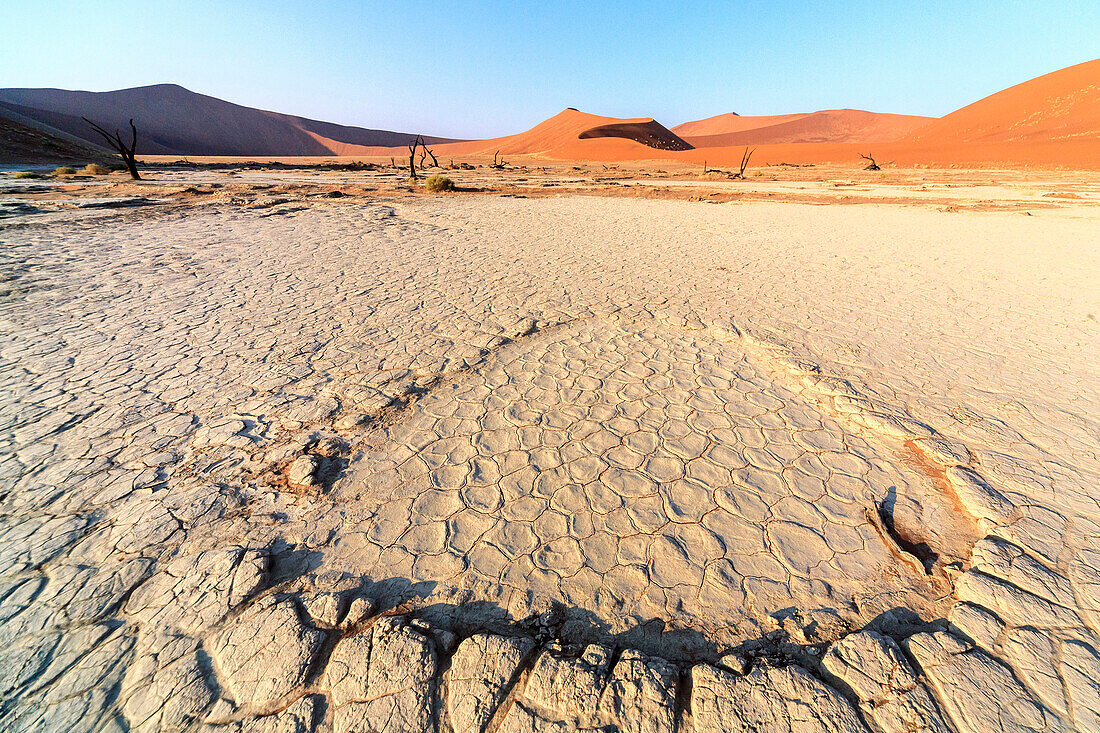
point(826, 126)
point(1062, 105)
point(731, 122)
point(569, 134)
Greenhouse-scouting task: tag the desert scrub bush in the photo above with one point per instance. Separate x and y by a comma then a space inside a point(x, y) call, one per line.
point(64, 170)
point(438, 183)
point(28, 174)
point(94, 169)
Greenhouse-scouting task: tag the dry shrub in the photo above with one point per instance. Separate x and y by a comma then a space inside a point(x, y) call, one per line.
point(64, 170)
point(94, 169)
point(439, 183)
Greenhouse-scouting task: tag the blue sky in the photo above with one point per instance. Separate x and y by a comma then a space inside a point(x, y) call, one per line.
point(475, 69)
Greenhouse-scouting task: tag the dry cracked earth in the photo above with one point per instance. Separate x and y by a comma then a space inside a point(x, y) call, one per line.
point(484, 463)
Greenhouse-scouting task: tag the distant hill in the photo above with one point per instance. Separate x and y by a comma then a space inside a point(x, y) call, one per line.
point(1061, 106)
point(826, 126)
point(172, 120)
point(23, 140)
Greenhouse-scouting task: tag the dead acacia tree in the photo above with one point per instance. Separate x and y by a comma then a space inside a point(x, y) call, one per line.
point(127, 152)
point(873, 166)
point(498, 164)
point(744, 162)
point(426, 153)
point(435, 163)
point(412, 156)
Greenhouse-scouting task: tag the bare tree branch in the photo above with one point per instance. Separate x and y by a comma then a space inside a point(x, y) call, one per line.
point(127, 152)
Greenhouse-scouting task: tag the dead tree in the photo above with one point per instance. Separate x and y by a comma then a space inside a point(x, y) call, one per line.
point(744, 163)
point(873, 166)
point(116, 143)
point(435, 163)
point(498, 164)
point(412, 156)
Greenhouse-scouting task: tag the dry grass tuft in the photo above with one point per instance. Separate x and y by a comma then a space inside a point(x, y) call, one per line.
point(439, 183)
point(94, 169)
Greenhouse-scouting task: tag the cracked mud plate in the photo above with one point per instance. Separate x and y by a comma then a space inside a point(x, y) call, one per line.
point(637, 471)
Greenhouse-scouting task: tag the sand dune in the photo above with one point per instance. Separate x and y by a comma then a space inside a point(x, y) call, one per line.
point(23, 140)
point(732, 122)
point(572, 133)
point(1053, 120)
point(175, 121)
point(827, 126)
point(1061, 106)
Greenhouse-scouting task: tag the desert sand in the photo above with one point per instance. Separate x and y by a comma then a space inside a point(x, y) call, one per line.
point(576, 447)
point(826, 126)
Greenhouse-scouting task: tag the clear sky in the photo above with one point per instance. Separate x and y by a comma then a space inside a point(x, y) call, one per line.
point(477, 69)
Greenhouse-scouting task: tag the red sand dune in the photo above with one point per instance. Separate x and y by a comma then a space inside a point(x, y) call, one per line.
point(826, 126)
point(731, 122)
point(1050, 121)
point(563, 136)
point(1062, 105)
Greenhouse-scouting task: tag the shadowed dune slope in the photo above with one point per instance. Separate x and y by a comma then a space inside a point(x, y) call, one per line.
point(651, 134)
point(827, 126)
point(172, 120)
point(25, 141)
point(1061, 106)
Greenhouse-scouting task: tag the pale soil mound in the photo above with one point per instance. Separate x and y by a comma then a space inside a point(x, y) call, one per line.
point(1061, 106)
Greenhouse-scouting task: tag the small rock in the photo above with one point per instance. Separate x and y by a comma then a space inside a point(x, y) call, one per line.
point(359, 610)
point(324, 608)
point(301, 471)
point(445, 640)
point(735, 663)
